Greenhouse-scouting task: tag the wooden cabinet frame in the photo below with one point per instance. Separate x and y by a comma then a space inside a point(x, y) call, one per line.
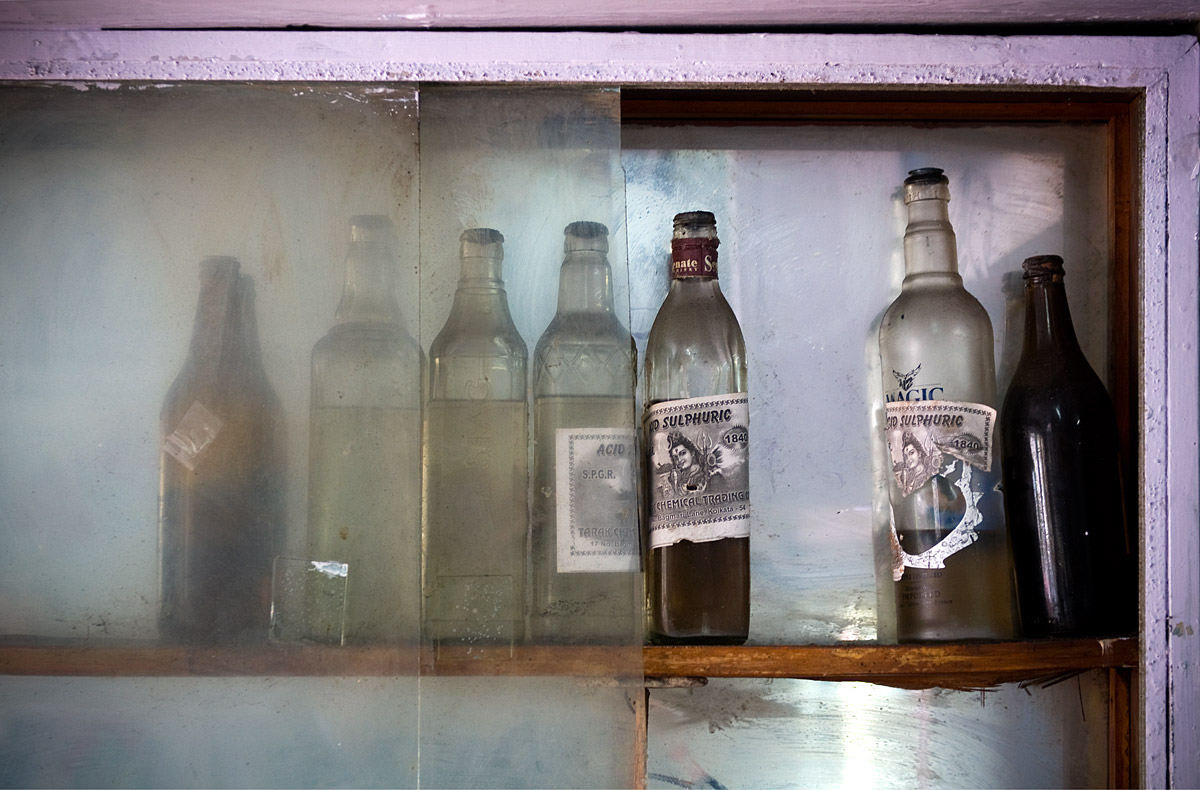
point(1146, 89)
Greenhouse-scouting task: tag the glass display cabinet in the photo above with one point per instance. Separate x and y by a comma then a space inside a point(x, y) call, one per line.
point(130, 157)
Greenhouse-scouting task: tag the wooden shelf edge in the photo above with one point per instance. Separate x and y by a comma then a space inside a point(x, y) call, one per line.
point(956, 665)
point(117, 659)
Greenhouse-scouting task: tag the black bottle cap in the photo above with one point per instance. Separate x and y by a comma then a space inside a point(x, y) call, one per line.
point(689, 218)
point(1042, 266)
point(927, 175)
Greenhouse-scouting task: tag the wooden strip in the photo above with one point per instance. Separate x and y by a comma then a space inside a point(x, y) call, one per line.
point(905, 664)
point(910, 666)
point(759, 107)
point(641, 741)
point(1120, 729)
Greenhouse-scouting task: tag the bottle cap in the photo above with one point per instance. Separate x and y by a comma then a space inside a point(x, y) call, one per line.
point(585, 236)
point(370, 227)
point(481, 243)
point(926, 183)
point(691, 219)
point(219, 266)
point(1039, 268)
point(695, 225)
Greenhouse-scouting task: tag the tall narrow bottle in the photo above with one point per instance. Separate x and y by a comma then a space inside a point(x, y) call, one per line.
point(1075, 565)
point(221, 483)
point(696, 427)
point(952, 572)
point(476, 459)
point(585, 547)
point(364, 495)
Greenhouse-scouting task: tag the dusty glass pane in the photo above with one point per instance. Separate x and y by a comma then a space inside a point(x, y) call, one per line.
point(208, 732)
point(113, 198)
point(504, 172)
point(798, 733)
point(811, 222)
point(172, 256)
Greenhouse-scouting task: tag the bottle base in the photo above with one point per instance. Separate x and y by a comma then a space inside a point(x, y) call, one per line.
point(699, 639)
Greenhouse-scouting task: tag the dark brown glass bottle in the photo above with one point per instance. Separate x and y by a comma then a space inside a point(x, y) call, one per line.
point(221, 473)
point(1075, 563)
point(696, 430)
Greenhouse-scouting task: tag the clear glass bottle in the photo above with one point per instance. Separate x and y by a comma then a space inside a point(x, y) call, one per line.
point(476, 459)
point(952, 571)
point(222, 472)
point(1075, 565)
point(364, 483)
point(696, 426)
point(584, 538)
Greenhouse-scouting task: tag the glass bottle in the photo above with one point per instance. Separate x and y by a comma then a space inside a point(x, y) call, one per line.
point(585, 523)
point(1075, 565)
point(364, 505)
point(951, 557)
point(222, 470)
point(696, 426)
point(476, 458)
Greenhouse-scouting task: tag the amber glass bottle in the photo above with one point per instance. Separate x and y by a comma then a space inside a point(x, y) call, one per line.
point(696, 429)
point(221, 484)
point(1075, 563)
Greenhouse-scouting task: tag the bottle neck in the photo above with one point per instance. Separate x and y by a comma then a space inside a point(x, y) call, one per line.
point(585, 283)
point(215, 312)
point(929, 243)
point(1048, 326)
point(369, 291)
point(247, 350)
point(481, 276)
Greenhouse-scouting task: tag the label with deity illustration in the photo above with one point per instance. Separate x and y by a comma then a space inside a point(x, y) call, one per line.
point(942, 444)
point(699, 469)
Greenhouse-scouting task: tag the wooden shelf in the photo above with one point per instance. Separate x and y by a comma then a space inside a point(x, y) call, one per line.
point(949, 665)
point(953, 665)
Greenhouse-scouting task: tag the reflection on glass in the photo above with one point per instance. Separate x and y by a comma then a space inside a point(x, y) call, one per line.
point(221, 482)
point(800, 733)
point(476, 456)
point(364, 453)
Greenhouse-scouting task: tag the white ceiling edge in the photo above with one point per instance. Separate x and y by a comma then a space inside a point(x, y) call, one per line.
point(573, 14)
point(764, 59)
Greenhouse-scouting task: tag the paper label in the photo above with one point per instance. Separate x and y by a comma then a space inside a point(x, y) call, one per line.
point(921, 434)
point(945, 439)
point(596, 493)
point(699, 469)
point(195, 432)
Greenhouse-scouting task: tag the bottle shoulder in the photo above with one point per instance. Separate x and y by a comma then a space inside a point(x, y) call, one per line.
point(1059, 387)
point(936, 312)
point(368, 335)
point(695, 317)
point(574, 330)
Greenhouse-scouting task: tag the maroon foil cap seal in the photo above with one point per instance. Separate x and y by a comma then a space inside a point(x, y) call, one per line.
point(694, 258)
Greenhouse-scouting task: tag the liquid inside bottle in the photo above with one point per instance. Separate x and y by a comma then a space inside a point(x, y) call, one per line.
point(585, 550)
point(1075, 562)
point(365, 456)
point(696, 432)
point(952, 573)
point(476, 460)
